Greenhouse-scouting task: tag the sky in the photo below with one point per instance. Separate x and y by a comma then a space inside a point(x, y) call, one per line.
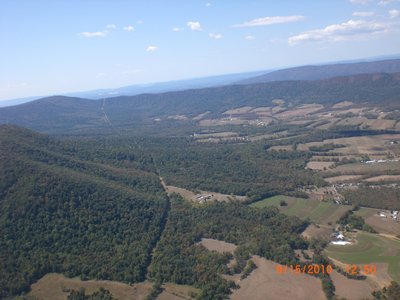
point(52, 47)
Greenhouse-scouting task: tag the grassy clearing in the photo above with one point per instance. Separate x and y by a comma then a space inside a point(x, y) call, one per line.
point(318, 212)
point(370, 248)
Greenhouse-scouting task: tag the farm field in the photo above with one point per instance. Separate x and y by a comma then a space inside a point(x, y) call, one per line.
point(367, 169)
point(264, 282)
point(382, 225)
point(370, 249)
point(358, 145)
point(318, 211)
point(56, 286)
point(351, 288)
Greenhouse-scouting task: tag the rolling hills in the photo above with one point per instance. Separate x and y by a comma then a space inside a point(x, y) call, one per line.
point(63, 115)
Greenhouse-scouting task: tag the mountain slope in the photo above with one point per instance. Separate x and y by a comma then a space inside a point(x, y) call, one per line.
point(72, 115)
point(97, 218)
point(327, 71)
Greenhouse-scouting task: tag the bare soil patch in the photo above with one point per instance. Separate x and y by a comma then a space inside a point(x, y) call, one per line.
point(342, 104)
point(319, 165)
point(265, 283)
point(201, 116)
point(238, 111)
point(382, 225)
point(219, 246)
point(55, 286)
point(383, 178)
point(186, 194)
point(380, 124)
point(177, 292)
point(300, 111)
point(321, 232)
point(351, 288)
point(343, 178)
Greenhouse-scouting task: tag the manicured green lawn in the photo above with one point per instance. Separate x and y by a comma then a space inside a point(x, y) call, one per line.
point(370, 248)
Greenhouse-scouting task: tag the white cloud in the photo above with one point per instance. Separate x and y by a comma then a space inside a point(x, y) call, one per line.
point(111, 26)
point(394, 13)
point(270, 20)
point(215, 36)
point(140, 22)
point(339, 32)
point(208, 4)
point(386, 2)
point(177, 29)
point(195, 26)
point(89, 34)
point(129, 28)
point(249, 37)
point(363, 2)
point(363, 13)
point(151, 48)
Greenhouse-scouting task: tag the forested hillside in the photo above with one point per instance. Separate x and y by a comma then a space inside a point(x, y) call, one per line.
point(98, 218)
point(328, 71)
point(77, 116)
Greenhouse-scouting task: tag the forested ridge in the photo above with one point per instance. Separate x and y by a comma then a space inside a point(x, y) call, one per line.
point(63, 115)
point(95, 208)
point(61, 214)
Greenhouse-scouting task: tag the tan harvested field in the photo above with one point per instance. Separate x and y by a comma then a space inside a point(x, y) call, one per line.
point(352, 121)
point(358, 145)
point(381, 278)
point(223, 121)
point(300, 111)
point(215, 135)
point(322, 232)
point(350, 110)
point(343, 178)
point(332, 121)
point(342, 104)
point(278, 109)
point(265, 283)
point(380, 224)
point(238, 111)
point(219, 246)
point(363, 168)
point(319, 165)
point(262, 109)
point(351, 288)
point(380, 124)
point(201, 116)
point(55, 287)
point(383, 178)
point(177, 292)
point(277, 148)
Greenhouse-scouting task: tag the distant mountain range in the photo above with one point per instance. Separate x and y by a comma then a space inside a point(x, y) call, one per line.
point(66, 115)
point(327, 71)
point(389, 64)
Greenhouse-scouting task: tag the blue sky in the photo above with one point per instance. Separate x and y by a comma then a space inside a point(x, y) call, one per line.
point(53, 46)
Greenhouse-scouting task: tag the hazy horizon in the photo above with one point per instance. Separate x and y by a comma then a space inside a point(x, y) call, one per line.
point(64, 47)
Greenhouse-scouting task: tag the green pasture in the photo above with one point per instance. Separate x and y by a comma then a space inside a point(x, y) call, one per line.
point(370, 248)
point(317, 211)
